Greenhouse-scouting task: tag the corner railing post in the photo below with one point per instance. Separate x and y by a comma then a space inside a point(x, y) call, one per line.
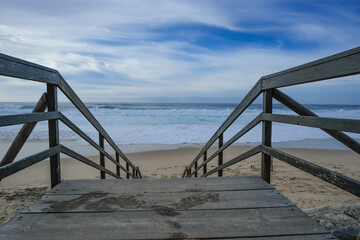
point(205, 167)
point(221, 142)
point(118, 161)
point(266, 136)
point(54, 140)
point(102, 156)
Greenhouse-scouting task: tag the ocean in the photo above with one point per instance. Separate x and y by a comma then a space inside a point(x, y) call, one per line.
point(174, 123)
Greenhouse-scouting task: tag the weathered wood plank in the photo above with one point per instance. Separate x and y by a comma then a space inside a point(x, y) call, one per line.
point(171, 202)
point(77, 130)
point(301, 110)
point(71, 95)
point(14, 67)
point(248, 99)
point(19, 165)
point(266, 136)
point(154, 225)
point(160, 185)
point(85, 160)
point(54, 138)
point(23, 134)
point(342, 64)
point(337, 179)
point(102, 156)
point(221, 154)
point(10, 120)
point(243, 131)
point(204, 162)
point(347, 125)
point(235, 160)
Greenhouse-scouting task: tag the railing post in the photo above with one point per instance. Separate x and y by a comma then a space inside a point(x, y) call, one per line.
point(196, 165)
point(205, 165)
point(127, 168)
point(266, 136)
point(118, 161)
point(134, 173)
point(53, 125)
point(102, 156)
point(188, 172)
point(221, 142)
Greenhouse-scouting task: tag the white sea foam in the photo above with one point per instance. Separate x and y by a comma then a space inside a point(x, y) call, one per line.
point(173, 123)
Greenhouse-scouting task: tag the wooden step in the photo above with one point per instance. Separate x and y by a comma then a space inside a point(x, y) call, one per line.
point(191, 208)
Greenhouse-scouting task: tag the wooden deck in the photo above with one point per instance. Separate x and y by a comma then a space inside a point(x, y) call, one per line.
point(190, 208)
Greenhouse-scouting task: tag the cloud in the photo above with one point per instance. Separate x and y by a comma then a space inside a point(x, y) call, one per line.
point(138, 49)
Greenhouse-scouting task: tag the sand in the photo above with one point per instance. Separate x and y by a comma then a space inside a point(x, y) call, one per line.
point(20, 190)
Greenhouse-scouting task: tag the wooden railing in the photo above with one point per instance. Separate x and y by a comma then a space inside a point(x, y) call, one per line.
point(13, 67)
point(343, 64)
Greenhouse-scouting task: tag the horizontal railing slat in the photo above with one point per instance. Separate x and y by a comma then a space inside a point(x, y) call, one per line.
point(19, 165)
point(301, 110)
point(237, 159)
point(337, 179)
point(69, 92)
point(248, 99)
point(24, 133)
point(243, 131)
point(85, 160)
point(77, 130)
point(347, 125)
point(339, 65)
point(14, 67)
point(10, 120)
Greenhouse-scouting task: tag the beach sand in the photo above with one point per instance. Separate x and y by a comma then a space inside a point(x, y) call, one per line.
point(20, 190)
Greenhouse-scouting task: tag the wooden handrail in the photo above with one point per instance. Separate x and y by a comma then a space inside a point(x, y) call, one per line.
point(347, 125)
point(245, 103)
point(18, 68)
point(10, 120)
point(242, 132)
point(19, 165)
point(337, 179)
point(301, 110)
point(343, 64)
point(85, 160)
point(335, 66)
point(237, 159)
point(23, 134)
point(71, 95)
point(83, 135)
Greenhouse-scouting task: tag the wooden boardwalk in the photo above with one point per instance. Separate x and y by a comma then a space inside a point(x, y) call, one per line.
point(190, 208)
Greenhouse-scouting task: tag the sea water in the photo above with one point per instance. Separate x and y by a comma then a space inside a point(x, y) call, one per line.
point(173, 123)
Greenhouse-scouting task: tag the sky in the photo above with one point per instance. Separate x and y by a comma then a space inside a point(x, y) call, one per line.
point(177, 51)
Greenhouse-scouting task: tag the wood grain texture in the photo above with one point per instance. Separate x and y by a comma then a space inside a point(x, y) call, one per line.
point(337, 179)
point(339, 65)
point(171, 201)
point(301, 110)
point(186, 208)
point(161, 186)
point(347, 125)
point(14, 67)
point(152, 225)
